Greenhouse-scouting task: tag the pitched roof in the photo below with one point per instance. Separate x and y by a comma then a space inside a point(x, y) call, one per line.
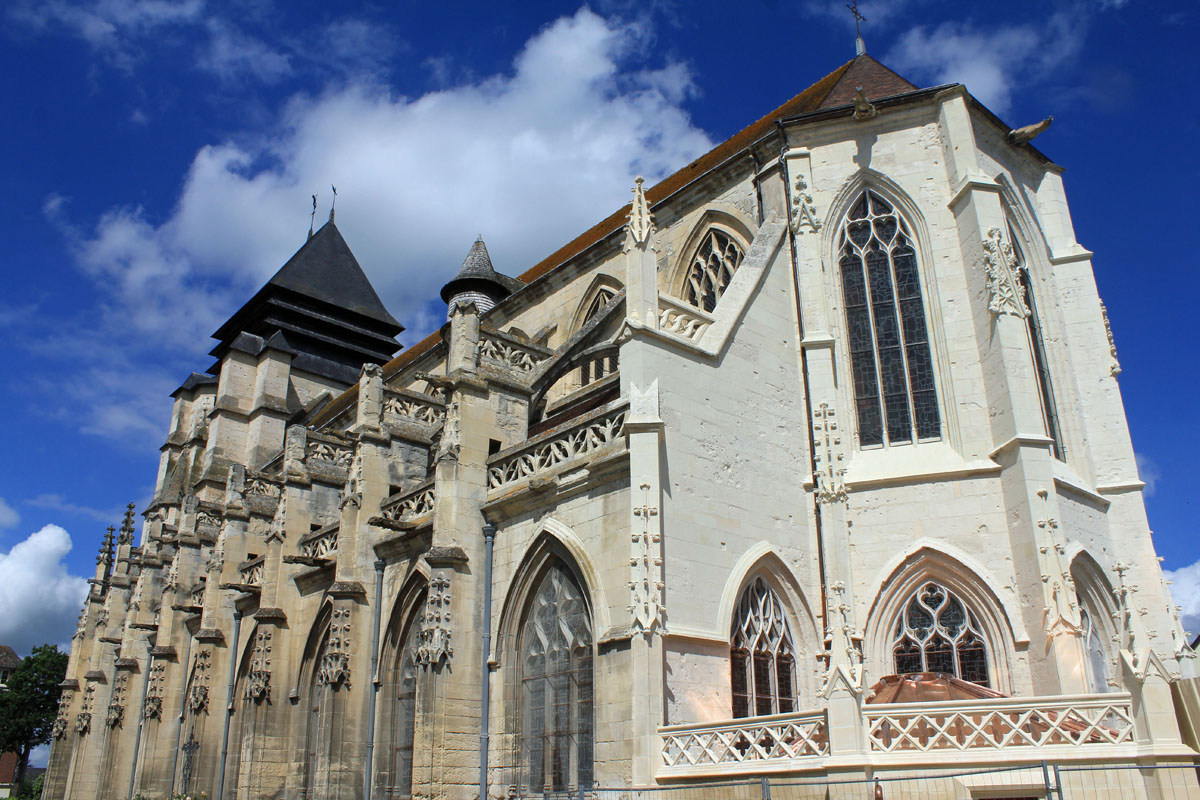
point(877, 81)
point(325, 269)
point(9, 658)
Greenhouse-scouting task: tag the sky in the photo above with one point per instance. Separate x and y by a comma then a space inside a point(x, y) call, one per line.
point(160, 157)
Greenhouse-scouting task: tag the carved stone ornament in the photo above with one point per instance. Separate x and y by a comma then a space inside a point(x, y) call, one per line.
point(83, 720)
point(641, 223)
point(171, 579)
point(804, 213)
point(197, 696)
point(152, 707)
point(864, 109)
point(1114, 369)
point(258, 679)
point(1004, 287)
point(334, 668)
point(61, 723)
point(645, 563)
point(450, 439)
point(433, 638)
point(116, 704)
point(830, 473)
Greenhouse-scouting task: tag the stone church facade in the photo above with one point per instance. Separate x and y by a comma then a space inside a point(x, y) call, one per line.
point(813, 446)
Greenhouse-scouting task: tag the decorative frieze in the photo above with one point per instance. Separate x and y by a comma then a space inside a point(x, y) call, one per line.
point(1005, 295)
point(336, 455)
point(578, 441)
point(510, 353)
point(410, 407)
point(433, 638)
point(259, 486)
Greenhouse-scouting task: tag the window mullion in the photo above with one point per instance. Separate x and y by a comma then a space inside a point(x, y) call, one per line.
point(862, 261)
point(912, 403)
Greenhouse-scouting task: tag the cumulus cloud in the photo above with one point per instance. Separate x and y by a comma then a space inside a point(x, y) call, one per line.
point(40, 598)
point(56, 502)
point(1185, 589)
point(231, 54)
point(528, 159)
point(8, 516)
point(990, 60)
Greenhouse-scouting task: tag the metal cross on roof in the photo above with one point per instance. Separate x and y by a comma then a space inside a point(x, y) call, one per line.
point(858, 17)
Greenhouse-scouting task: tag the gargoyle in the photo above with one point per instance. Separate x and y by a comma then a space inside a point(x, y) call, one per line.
point(1029, 132)
point(863, 108)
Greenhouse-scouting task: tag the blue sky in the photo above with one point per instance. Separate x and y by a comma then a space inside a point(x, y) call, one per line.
point(161, 154)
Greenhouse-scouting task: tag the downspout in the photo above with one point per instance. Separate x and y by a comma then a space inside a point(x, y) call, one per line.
point(379, 565)
point(233, 659)
point(137, 739)
point(489, 540)
point(187, 660)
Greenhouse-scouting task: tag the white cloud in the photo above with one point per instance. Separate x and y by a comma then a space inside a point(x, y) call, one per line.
point(1185, 589)
point(529, 159)
point(1149, 472)
point(8, 516)
point(109, 26)
point(41, 600)
point(232, 55)
point(990, 60)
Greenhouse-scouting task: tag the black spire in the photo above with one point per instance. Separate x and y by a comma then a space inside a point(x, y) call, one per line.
point(477, 281)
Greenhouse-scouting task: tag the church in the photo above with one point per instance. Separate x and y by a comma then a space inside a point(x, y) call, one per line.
point(808, 463)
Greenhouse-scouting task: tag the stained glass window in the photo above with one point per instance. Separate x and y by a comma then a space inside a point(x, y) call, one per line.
point(888, 341)
point(762, 656)
point(556, 686)
point(1037, 348)
point(1095, 652)
point(936, 633)
point(713, 267)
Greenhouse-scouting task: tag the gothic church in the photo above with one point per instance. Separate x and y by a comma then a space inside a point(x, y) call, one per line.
point(816, 444)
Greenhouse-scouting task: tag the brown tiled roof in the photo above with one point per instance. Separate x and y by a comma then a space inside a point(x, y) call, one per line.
point(925, 687)
point(876, 80)
point(9, 658)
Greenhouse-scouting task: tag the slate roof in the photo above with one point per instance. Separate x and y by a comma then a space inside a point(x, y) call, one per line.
point(477, 270)
point(835, 90)
point(9, 658)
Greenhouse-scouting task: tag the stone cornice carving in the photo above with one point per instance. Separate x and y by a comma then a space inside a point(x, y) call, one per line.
point(1005, 295)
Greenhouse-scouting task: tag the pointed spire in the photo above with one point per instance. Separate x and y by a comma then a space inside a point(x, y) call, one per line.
point(477, 281)
point(127, 526)
point(106, 548)
point(641, 223)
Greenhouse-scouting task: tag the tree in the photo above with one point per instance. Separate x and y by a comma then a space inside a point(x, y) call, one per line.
point(28, 708)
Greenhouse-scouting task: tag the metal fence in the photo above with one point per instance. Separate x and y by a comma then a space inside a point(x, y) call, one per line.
point(1041, 781)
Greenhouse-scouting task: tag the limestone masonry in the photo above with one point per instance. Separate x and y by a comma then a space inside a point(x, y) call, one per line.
point(811, 461)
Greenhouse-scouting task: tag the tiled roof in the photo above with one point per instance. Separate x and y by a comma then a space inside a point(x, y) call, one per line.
point(9, 658)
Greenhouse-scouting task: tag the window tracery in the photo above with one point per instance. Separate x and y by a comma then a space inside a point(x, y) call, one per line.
point(936, 633)
point(556, 685)
point(596, 368)
point(885, 316)
point(762, 655)
point(712, 268)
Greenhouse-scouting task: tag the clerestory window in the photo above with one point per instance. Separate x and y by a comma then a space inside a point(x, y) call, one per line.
point(712, 268)
point(762, 655)
point(936, 633)
point(556, 686)
point(888, 339)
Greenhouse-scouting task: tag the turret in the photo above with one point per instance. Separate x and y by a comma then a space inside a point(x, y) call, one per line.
point(477, 282)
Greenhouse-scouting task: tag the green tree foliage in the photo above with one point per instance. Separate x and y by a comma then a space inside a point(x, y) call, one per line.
point(28, 708)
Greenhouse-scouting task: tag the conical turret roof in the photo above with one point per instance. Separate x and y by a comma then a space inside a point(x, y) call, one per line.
point(478, 274)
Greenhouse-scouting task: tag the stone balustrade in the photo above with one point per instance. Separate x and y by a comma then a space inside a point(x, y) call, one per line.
point(409, 506)
point(683, 320)
point(581, 437)
point(750, 741)
point(322, 543)
point(250, 573)
point(508, 351)
point(406, 406)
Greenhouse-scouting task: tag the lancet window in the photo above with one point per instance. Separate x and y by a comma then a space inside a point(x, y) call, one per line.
point(936, 633)
point(762, 655)
point(556, 685)
point(404, 712)
point(712, 268)
point(885, 316)
point(596, 368)
point(1037, 347)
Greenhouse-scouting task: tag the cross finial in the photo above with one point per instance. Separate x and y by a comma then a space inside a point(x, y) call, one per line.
point(312, 220)
point(860, 47)
point(334, 203)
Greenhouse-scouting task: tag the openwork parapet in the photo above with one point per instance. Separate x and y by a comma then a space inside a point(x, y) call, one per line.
point(406, 507)
point(752, 739)
point(412, 407)
point(682, 320)
point(554, 448)
point(321, 544)
point(509, 352)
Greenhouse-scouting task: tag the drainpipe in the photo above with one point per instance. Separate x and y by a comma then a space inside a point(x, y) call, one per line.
point(489, 539)
point(137, 739)
point(187, 660)
point(379, 564)
point(233, 659)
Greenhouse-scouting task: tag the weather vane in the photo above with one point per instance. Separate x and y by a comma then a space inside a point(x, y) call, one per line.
point(312, 220)
point(334, 203)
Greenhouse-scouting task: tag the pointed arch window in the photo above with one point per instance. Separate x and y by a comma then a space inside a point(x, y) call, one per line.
point(717, 259)
point(936, 633)
point(556, 685)
point(1037, 347)
point(405, 688)
point(888, 340)
point(762, 655)
point(1094, 651)
point(596, 368)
